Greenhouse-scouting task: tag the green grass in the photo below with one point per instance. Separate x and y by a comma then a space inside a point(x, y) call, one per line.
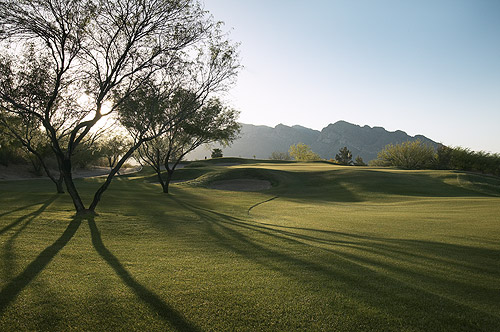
point(328, 248)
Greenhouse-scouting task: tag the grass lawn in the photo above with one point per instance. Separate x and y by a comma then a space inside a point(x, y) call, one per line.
point(327, 248)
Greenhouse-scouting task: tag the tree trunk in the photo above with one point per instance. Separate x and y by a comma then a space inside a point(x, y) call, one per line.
point(170, 173)
point(65, 167)
point(105, 185)
point(59, 184)
point(160, 179)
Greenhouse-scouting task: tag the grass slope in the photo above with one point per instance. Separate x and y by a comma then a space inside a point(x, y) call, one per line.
point(328, 248)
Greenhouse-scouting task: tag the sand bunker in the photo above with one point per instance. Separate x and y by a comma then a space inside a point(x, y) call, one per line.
point(241, 185)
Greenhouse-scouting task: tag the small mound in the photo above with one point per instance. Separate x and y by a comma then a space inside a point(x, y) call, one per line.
point(241, 185)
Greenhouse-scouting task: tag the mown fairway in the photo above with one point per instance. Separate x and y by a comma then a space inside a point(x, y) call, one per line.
point(328, 248)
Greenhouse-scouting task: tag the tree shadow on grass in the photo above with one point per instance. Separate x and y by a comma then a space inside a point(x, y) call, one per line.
point(8, 255)
point(21, 208)
point(388, 274)
point(358, 185)
point(30, 216)
point(16, 285)
point(169, 314)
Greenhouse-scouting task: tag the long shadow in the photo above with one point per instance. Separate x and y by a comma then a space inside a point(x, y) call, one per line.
point(346, 185)
point(365, 273)
point(8, 255)
point(14, 287)
point(31, 215)
point(412, 183)
point(415, 248)
point(21, 208)
point(169, 314)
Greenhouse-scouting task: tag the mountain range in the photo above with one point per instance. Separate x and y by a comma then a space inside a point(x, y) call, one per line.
point(261, 141)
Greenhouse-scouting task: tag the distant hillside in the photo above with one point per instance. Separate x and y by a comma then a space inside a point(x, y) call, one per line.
point(261, 141)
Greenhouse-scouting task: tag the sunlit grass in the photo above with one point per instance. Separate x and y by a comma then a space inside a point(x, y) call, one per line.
point(328, 248)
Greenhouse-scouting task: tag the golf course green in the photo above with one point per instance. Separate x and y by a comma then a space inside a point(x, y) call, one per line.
point(325, 248)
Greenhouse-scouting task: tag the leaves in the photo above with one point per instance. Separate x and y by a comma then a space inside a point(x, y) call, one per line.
point(302, 152)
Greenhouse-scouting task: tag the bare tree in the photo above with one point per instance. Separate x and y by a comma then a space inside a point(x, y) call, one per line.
point(74, 63)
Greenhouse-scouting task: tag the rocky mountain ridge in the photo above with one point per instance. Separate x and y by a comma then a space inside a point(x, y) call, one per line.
point(261, 141)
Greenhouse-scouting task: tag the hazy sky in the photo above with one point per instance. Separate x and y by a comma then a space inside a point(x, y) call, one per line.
point(428, 67)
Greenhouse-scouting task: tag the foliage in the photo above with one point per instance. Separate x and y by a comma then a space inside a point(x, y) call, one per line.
point(302, 152)
point(216, 153)
point(408, 155)
point(10, 149)
point(203, 124)
point(276, 155)
point(344, 157)
point(359, 161)
point(474, 161)
point(112, 148)
point(69, 64)
point(417, 155)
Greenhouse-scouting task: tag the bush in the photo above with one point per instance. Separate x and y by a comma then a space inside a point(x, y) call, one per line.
point(11, 151)
point(280, 156)
point(408, 155)
point(413, 155)
point(302, 152)
point(467, 160)
point(359, 161)
point(86, 156)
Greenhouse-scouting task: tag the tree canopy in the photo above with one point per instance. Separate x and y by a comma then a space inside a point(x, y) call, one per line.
point(409, 155)
point(344, 157)
point(302, 152)
point(68, 64)
point(209, 123)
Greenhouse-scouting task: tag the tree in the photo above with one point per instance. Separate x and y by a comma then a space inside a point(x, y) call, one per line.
point(25, 129)
point(302, 152)
point(216, 153)
point(344, 157)
point(76, 62)
point(212, 123)
point(10, 149)
point(359, 161)
point(276, 155)
point(112, 148)
point(409, 155)
point(194, 116)
point(466, 160)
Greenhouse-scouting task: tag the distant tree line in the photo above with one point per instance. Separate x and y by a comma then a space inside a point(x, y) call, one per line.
point(303, 152)
point(417, 155)
point(407, 155)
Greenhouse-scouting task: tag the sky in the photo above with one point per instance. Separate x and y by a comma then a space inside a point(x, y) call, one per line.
point(429, 67)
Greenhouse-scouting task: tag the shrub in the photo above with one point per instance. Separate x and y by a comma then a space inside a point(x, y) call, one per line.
point(359, 161)
point(409, 155)
point(280, 156)
point(302, 152)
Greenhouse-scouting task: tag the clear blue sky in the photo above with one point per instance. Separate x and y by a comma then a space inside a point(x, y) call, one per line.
point(428, 67)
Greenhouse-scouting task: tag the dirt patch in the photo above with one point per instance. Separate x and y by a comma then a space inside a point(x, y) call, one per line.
point(241, 185)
